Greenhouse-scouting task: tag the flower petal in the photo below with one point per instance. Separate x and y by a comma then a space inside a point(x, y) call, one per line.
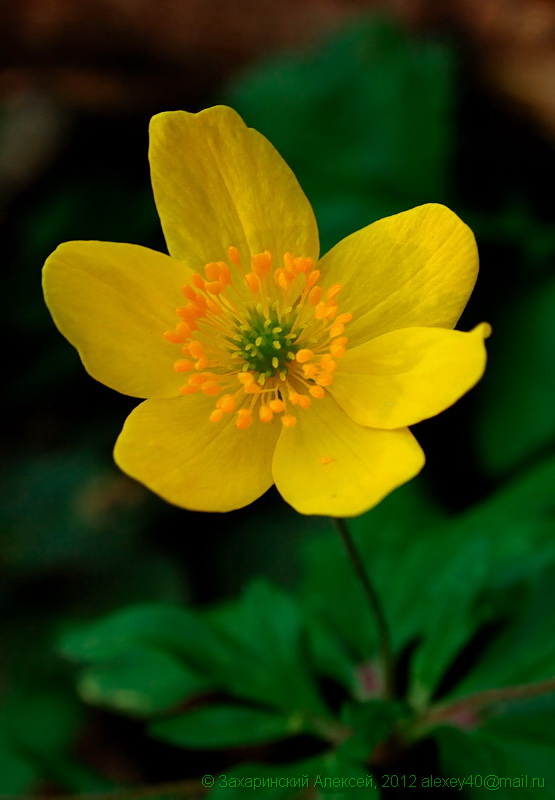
point(414, 268)
point(218, 183)
point(173, 448)
point(113, 302)
point(327, 464)
point(408, 375)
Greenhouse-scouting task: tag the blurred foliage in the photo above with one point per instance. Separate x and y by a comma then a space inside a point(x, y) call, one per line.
point(114, 669)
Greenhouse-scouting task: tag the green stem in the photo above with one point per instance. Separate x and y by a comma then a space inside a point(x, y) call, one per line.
point(477, 701)
point(386, 653)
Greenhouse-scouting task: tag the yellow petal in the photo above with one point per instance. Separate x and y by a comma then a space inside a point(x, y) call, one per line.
point(416, 268)
point(327, 464)
point(113, 302)
point(218, 183)
point(409, 375)
point(173, 448)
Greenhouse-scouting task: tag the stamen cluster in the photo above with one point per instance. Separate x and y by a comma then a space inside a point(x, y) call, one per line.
point(261, 341)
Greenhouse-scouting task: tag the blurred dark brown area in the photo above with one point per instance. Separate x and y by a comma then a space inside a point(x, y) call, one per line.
point(120, 56)
point(117, 54)
point(509, 43)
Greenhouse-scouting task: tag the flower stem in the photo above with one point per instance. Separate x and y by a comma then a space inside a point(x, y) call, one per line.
point(478, 701)
point(386, 653)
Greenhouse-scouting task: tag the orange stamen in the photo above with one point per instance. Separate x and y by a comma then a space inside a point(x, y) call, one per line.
point(243, 419)
point(265, 414)
point(304, 355)
point(183, 365)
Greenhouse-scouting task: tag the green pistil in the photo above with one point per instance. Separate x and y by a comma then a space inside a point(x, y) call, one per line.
point(265, 344)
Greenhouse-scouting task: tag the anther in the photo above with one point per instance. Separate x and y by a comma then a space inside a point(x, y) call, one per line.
point(288, 262)
point(196, 349)
point(210, 387)
point(324, 379)
point(183, 365)
point(244, 418)
point(182, 329)
point(216, 415)
point(265, 414)
point(261, 263)
point(333, 291)
point(317, 391)
point(233, 255)
point(288, 420)
point(174, 338)
point(315, 295)
point(312, 278)
point(189, 292)
point(253, 282)
point(327, 363)
point(310, 370)
point(212, 271)
point(226, 403)
point(277, 405)
point(337, 329)
point(304, 355)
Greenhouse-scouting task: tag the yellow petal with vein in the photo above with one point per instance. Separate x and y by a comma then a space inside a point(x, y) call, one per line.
point(416, 268)
point(408, 375)
point(173, 448)
point(218, 183)
point(327, 464)
point(113, 302)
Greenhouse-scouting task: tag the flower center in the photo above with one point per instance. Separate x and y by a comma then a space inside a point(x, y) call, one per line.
point(266, 344)
point(262, 341)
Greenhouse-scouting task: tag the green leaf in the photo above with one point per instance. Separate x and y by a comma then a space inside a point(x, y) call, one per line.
point(226, 726)
point(172, 629)
point(516, 419)
point(251, 647)
point(451, 618)
point(514, 748)
point(439, 580)
point(524, 650)
point(139, 681)
point(265, 629)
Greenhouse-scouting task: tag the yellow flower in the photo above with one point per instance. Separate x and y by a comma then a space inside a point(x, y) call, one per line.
point(260, 363)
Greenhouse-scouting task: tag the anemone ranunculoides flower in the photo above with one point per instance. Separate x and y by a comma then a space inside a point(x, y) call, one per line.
point(260, 363)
